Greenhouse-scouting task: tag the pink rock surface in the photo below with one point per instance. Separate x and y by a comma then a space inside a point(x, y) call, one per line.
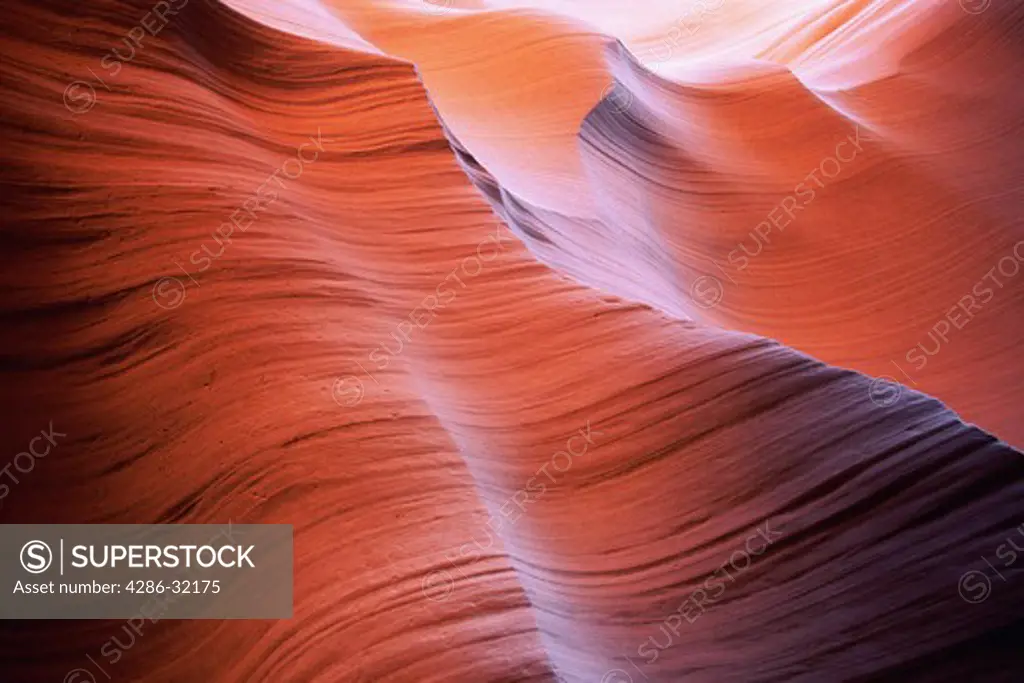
point(456, 290)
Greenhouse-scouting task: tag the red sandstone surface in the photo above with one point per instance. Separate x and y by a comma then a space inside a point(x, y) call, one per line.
point(581, 341)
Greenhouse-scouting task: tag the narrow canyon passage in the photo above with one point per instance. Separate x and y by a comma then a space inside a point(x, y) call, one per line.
point(523, 316)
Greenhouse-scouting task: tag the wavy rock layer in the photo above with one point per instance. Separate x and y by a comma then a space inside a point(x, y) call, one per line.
point(254, 275)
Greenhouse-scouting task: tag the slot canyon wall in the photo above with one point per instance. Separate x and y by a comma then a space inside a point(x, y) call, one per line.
point(579, 341)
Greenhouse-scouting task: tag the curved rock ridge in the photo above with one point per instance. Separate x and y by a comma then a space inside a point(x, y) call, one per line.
point(822, 182)
point(826, 173)
point(431, 284)
point(872, 226)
